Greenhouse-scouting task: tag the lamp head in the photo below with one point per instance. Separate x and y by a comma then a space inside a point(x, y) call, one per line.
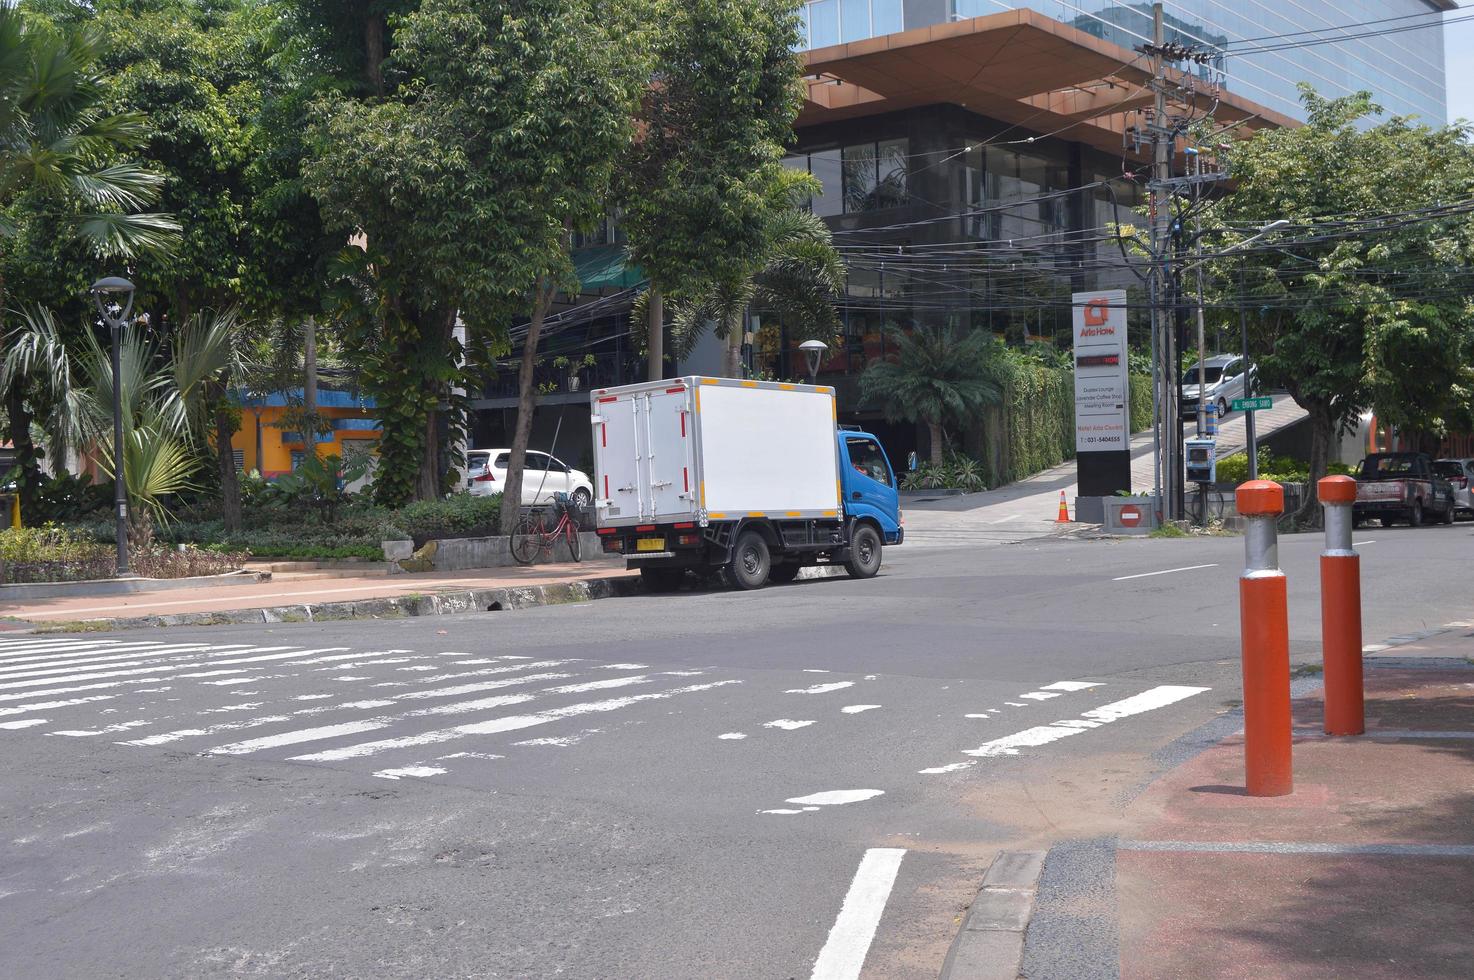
point(103, 293)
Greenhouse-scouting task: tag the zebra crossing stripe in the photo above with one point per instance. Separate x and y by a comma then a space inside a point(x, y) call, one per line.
point(499, 725)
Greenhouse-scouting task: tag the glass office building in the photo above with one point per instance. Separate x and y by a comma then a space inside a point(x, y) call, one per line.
point(1402, 69)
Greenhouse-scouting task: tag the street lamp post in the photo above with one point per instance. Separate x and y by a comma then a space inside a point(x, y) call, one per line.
point(114, 299)
point(814, 352)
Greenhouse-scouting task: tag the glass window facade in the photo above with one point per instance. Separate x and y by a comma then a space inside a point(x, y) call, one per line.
point(857, 178)
point(1404, 71)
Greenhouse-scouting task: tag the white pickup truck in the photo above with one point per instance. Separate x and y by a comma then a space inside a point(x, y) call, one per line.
point(750, 478)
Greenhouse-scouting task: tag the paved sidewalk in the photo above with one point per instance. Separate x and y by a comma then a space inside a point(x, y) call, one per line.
point(304, 591)
point(1366, 870)
point(1026, 509)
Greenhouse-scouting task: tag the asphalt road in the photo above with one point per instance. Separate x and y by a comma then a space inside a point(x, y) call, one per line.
point(678, 786)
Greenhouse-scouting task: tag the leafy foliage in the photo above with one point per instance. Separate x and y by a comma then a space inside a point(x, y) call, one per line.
point(1378, 319)
point(938, 377)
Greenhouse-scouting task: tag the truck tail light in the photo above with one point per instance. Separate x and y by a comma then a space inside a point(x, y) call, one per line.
point(606, 530)
point(689, 539)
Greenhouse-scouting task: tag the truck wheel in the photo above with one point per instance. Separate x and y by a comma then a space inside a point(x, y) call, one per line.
point(751, 562)
point(1448, 515)
point(662, 579)
point(784, 572)
point(864, 553)
point(1415, 515)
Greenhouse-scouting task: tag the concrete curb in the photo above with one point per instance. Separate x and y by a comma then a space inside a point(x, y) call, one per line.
point(442, 603)
point(990, 945)
point(127, 586)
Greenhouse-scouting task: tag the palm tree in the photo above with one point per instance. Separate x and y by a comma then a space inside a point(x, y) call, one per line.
point(59, 147)
point(796, 277)
point(937, 377)
point(165, 399)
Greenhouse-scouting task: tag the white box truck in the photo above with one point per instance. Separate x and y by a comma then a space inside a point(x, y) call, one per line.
point(750, 478)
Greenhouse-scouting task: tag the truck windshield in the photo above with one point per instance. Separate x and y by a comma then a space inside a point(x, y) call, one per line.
point(865, 456)
point(1387, 467)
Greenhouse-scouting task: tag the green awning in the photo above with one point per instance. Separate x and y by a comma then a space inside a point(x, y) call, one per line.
point(604, 267)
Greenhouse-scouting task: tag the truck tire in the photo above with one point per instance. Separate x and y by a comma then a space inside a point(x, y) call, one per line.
point(1415, 514)
point(751, 562)
point(662, 579)
point(864, 559)
point(784, 572)
point(1448, 515)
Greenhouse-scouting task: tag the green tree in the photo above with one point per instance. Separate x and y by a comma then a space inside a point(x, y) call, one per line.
point(468, 181)
point(704, 179)
point(795, 276)
point(64, 166)
point(937, 377)
point(1349, 318)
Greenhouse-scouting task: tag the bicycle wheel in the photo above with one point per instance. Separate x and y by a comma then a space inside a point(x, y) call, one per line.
point(527, 540)
point(573, 543)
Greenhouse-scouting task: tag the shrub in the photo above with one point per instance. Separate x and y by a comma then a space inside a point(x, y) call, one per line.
point(1280, 469)
point(459, 515)
point(54, 554)
point(187, 561)
point(68, 499)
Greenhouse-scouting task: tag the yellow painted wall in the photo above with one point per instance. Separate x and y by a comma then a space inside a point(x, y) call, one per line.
point(276, 455)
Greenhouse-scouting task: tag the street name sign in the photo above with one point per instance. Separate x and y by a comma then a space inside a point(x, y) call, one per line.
point(1253, 404)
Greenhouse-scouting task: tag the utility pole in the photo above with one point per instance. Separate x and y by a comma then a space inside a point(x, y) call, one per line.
point(1161, 211)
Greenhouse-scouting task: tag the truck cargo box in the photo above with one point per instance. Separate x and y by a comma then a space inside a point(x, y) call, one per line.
point(713, 449)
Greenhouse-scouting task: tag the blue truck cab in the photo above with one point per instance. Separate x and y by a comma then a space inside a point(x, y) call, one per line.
point(869, 484)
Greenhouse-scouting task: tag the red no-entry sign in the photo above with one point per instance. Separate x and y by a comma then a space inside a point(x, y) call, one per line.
point(1130, 515)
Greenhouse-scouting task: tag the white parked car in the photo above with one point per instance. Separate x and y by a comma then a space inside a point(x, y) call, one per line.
point(543, 476)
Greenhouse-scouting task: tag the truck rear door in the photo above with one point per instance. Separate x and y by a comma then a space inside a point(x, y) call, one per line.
point(643, 455)
point(668, 457)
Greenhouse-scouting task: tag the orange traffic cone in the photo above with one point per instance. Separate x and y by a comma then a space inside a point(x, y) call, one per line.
point(1064, 510)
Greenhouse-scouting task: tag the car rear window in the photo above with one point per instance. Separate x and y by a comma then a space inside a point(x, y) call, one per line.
point(1377, 467)
point(1450, 468)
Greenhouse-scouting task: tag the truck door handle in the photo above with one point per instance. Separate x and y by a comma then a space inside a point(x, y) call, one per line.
point(856, 495)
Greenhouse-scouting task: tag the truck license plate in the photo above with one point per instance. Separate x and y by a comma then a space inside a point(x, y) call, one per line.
point(650, 544)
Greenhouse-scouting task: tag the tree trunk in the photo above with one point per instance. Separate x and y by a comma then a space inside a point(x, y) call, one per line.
point(734, 353)
point(230, 486)
point(522, 431)
point(1322, 434)
point(373, 52)
point(656, 332)
point(934, 430)
point(27, 458)
point(428, 482)
point(309, 368)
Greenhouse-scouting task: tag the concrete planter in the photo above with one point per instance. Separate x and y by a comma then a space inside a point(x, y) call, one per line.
point(460, 554)
point(124, 586)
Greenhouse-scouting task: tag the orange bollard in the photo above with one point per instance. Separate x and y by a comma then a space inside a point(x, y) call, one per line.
point(1340, 611)
point(1265, 626)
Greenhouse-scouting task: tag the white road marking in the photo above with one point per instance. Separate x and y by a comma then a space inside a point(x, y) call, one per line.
point(500, 725)
point(1358, 544)
point(561, 742)
point(855, 709)
point(297, 737)
point(983, 715)
point(436, 679)
point(70, 658)
point(787, 724)
point(1040, 695)
point(1070, 686)
point(783, 812)
point(473, 755)
point(732, 735)
point(822, 688)
point(103, 675)
point(28, 723)
point(349, 656)
point(1165, 571)
point(1157, 697)
point(109, 730)
point(445, 692)
point(843, 955)
point(1015, 704)
point(417, 772)
point(109, 662)
point(953, 767)
point(836, 797)
point(22, 709)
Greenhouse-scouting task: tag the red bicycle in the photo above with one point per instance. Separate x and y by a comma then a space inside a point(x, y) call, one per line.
point(532, 539)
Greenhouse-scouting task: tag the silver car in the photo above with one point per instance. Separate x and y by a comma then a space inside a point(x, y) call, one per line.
point(1224, 378)
point(1460, 475)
